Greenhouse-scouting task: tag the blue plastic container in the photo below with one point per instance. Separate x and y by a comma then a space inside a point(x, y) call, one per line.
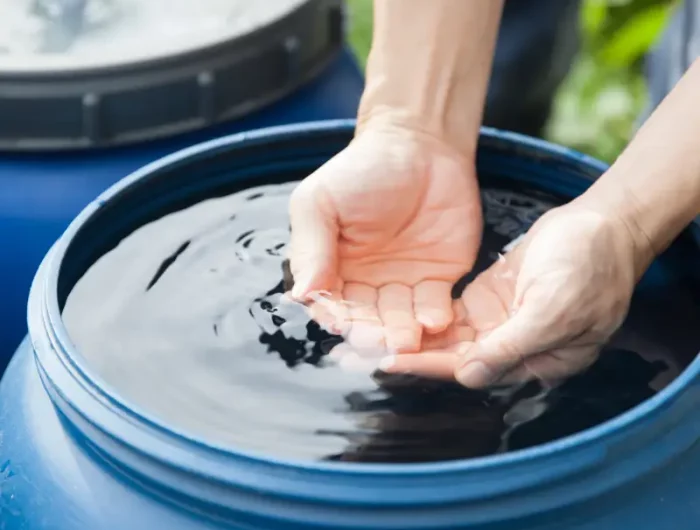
point(76, 456)
point(41, 193)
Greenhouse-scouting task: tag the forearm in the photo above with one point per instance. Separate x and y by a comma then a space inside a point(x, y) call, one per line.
point(429, 67)
point(654, 186)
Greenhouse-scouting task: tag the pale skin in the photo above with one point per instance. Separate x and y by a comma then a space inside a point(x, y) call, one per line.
point(394, 220)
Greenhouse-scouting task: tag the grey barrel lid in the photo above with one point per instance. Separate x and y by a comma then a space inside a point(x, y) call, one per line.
point(95, 73)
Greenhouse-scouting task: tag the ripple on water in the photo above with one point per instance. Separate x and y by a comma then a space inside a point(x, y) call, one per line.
point(185, 317)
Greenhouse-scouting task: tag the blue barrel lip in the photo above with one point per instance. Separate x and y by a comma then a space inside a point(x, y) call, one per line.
point(52, 317)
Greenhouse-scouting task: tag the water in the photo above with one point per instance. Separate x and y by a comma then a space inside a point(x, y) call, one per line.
point(185, 319)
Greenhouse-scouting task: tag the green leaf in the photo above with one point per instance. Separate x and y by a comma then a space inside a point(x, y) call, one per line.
point(620, 13)
point(593, 14)
point(635, 38)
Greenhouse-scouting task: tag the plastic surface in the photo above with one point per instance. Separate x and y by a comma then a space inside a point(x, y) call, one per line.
point(40, 35)
point(41, 193)
point(75, 456)
point(93, 73)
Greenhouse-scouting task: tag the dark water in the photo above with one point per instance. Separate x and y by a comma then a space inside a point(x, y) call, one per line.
point(185, 319)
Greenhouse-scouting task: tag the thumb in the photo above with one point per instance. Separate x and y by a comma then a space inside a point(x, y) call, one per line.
point(313, 258)
point(526, 333)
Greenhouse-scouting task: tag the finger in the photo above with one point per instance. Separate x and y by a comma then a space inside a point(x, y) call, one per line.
point(514, 243)
point(432, 304)
point(314, 241)
point(433, 364)
point(527, 333)
point(459, 313)
point(501, 278)
point(516, 376)
point(339, 351)
point(366, 334)
point(350, 360)
point(330, 311)
point(401, 330)
point(484, 308)
point(453, 335)
point(356, 362)
point(554, 365)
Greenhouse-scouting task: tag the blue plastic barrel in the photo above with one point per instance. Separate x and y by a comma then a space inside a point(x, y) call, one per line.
point(76, 456)
point(40, 193)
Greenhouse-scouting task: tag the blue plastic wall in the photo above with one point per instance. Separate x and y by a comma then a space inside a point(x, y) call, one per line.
point(41, 193)
point(51, 481)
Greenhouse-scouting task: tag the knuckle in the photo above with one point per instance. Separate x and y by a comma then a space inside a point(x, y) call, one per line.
point(509, 351)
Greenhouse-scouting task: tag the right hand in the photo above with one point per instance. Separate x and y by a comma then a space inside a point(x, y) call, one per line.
point(545, 310)
point(387, 225)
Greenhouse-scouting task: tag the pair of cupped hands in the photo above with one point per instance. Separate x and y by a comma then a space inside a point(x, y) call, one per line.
point(381, 233)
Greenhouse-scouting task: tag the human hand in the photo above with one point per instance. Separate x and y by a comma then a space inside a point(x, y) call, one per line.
point(543, 311)
point(388, 225)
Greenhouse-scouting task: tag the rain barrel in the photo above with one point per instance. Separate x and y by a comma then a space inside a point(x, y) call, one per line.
point(90, 90)
point(75, 455)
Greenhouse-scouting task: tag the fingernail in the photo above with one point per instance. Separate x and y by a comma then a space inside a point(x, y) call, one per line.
point(475, 374)
point(301, 287)
point(386, 364)
point(425, 321)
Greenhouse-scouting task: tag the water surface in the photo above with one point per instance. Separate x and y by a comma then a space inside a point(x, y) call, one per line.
point(185, 319)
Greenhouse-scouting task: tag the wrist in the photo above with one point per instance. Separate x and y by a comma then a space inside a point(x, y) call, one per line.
point(401, 126)
point(614, 202)
point(407, 124)
point(429, 66)
point(421, 109)
point(654, 185)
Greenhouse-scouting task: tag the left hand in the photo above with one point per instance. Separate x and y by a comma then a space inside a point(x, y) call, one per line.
point(543, 311)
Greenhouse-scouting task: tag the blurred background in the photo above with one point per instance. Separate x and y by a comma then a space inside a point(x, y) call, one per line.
point(597, 107)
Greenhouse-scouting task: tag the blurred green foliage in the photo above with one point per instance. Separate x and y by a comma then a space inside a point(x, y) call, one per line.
point(360, 27)
point(597, 108)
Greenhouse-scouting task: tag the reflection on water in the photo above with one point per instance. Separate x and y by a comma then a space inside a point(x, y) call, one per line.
point(186, 318)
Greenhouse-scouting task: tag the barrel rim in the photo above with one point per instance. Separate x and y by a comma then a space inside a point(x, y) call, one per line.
point(62, 67)
point(62, 345)
point(110, 104)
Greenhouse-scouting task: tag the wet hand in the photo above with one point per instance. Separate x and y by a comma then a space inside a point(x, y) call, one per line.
point(388, 225)
point(543, 311)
